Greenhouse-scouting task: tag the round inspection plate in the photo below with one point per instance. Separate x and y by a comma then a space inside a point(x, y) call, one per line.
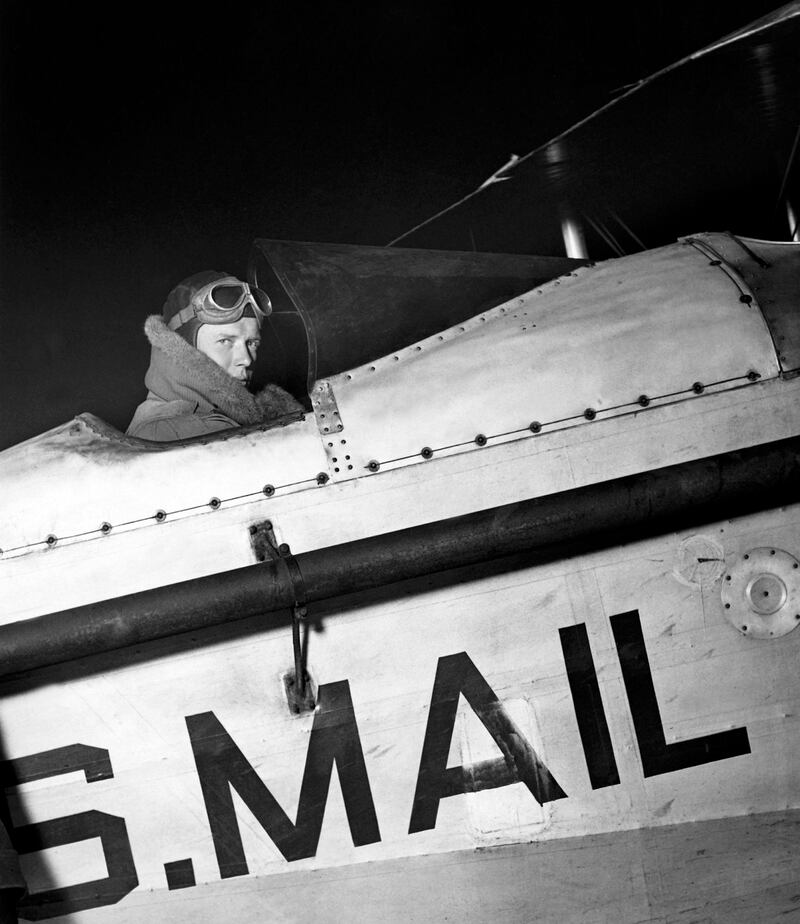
point(761, 593)
point(700, 561)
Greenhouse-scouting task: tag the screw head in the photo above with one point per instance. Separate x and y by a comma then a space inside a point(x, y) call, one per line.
point(268, 489)
point(426, 452)
point(374, 465)
point(590, 413)
point(322, 478)
point(535, 426)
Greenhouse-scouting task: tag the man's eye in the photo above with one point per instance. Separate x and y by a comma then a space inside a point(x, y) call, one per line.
point(255, 344)
point(224, 340)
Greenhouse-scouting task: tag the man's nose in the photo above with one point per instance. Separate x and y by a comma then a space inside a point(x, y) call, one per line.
point(243, 356)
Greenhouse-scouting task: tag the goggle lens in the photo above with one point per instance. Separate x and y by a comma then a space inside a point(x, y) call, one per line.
point(227, 297)
point(262, 300)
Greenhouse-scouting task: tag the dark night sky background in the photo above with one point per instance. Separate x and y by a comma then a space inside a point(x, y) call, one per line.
point(142, 143)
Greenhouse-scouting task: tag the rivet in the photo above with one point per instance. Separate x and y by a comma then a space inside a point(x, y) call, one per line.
point(698, 388)
point(590, 413)
point(746, 299)
point(284, 549)
point(334, 459)
point(336, 469)
point(322, 478)
point(161, 515)
point(535, 426)
point(326, 429)
point(744, 628)
point(753, 375)
point(214, 503)
point(795, 565)
point(373, 466)
point(349, 467)
point(644, 400)
point(340, 426)
point(51, 540)
point(105, 528)
point(343, 442)
point(746, 557)
point(727, 606)
point(268, 490)
point(480, 439)
point(727, 577)
point(426, 452)
point(772, 551)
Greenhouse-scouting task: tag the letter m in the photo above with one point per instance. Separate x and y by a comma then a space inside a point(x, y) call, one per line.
point(221, 767)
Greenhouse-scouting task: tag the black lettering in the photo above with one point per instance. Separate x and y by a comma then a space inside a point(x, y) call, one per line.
point(457, 675)
point(56, 832)
point(658, 756)
point(222, 766)
point(589, 711)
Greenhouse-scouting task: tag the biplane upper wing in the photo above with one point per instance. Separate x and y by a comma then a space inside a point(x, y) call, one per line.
point(707, 142)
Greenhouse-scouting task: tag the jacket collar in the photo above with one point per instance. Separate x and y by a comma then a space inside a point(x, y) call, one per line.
point(179, 372)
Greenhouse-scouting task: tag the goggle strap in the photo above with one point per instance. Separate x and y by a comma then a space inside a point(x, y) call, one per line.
point(179, 319)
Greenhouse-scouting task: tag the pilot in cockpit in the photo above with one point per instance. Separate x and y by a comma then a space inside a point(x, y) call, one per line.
point(204, 345)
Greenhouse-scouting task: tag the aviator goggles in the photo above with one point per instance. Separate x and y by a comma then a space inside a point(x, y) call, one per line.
point(223, 301)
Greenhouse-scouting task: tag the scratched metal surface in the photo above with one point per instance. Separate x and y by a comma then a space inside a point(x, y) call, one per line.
point(390, 654)
point(652, 324)
point(600, 342)
point(205, 541)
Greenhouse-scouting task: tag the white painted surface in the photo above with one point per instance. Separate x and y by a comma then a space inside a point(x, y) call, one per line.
point(707, 677)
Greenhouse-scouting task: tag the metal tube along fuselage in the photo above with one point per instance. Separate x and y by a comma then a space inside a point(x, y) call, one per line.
point(722, 486)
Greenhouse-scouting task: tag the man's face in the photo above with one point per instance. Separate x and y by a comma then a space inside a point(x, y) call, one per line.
point(231, 346)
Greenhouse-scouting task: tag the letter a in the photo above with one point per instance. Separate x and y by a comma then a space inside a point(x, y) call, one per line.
point(457, 675)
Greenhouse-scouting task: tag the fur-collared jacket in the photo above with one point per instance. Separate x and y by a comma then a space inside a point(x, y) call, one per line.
point(190, 395)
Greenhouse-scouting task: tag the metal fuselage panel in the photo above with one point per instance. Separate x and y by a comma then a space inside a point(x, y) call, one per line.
point(616, 674)
point(607, 706)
